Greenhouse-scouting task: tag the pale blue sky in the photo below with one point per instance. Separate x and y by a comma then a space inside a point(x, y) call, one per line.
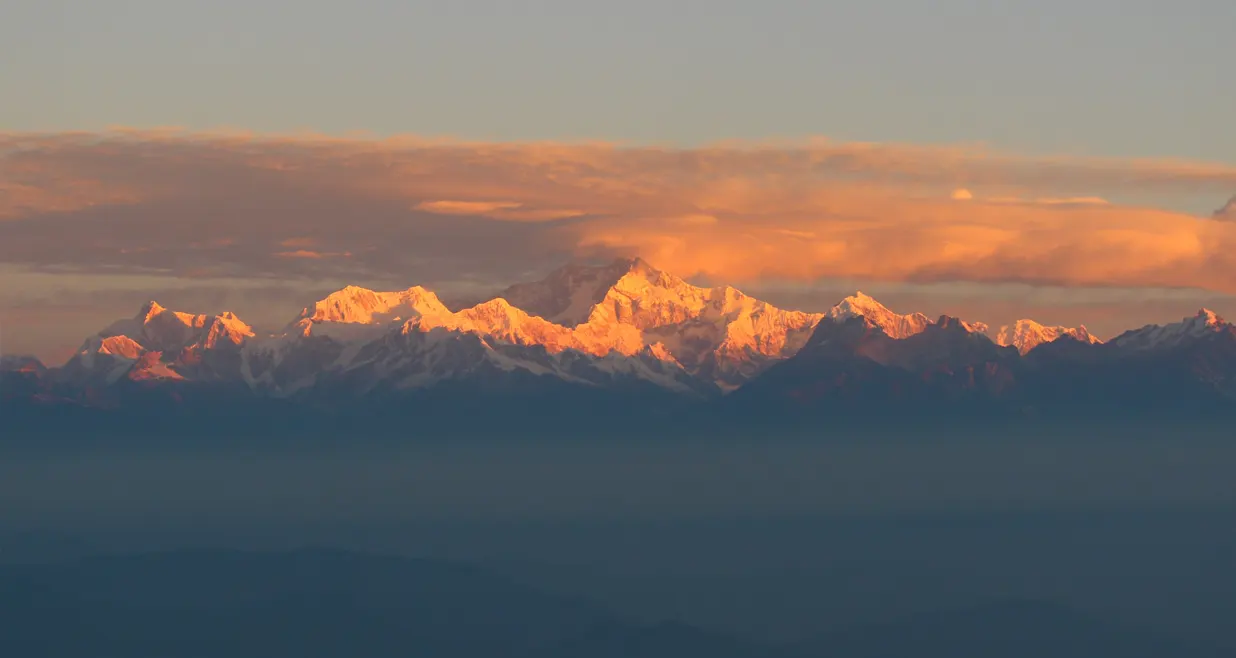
point(1097, 77)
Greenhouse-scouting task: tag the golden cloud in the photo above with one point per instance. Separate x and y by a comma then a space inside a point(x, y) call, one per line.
point(507, 210)
point(314, 255)
point(438, 209)
point(466, 207)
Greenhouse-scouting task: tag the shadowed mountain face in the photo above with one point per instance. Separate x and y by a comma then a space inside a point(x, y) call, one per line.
point(332, 604)
point(1185, 371)
point(856, 362)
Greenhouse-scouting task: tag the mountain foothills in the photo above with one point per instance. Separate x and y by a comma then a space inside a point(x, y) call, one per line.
point(629, 338)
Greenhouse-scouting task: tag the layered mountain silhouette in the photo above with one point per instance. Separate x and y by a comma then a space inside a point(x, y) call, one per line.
point(321, 603)
point(625, 339)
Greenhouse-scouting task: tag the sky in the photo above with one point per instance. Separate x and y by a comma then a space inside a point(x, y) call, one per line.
point(991, 159)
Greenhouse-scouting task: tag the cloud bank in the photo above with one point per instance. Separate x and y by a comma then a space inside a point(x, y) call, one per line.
point(420, 210)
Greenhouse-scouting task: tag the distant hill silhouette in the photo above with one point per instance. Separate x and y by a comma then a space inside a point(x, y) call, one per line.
point(1013, 629)
point(317, 603)
point(305, 603)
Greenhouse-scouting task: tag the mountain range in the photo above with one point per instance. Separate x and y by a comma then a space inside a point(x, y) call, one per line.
point(627, 335)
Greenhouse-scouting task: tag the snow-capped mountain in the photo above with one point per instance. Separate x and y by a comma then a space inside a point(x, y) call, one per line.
point(852, 367)
point(861, 327)
point(875, 314)
point(1026, 335)
point(624, 321)
point(628, 306)
point(355, 305)
point(1185, 369)
point(865, 354)
point(493, 337)
point(158, 343)
point(409, 339)
point(876, 317)
point(568, 294)
point(155, 328)
point(626, 326)
point(1155, 336)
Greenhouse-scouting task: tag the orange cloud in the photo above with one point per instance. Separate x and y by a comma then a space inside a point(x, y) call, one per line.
point(421, 208)
point(313, 255)
point(509, 210)
point(1053, 201)
point(466, 207)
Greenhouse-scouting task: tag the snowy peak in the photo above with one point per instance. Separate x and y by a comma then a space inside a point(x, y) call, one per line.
point(623, 308)
point(148, 311)
point(640, 276)
point(1208, 319)
point(156, 334)
point(876, 314)
point(165, 330)
point(226, 328)
point(567, 295)
point(625, 291)
point(121, 346)
point(859, 304)
point(1172, 335)
point(356, 305)
point(156, 327)
point(1026, 335)
point(646, 298)
point(497, 316)
point(720, 333)
point(498, 319)
point(649, 299)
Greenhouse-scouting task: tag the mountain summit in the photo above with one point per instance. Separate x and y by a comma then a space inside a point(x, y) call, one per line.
point(363, 306)
point(158, 343)
point(1205, 322)
point(627, 306)
point(875, 314)
point(567, 295)
point(1026, 335)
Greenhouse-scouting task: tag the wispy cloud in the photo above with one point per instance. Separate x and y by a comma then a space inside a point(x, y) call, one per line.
point(315, 255)
point(1053, 201)
point(466, 207)
point(506, 210)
